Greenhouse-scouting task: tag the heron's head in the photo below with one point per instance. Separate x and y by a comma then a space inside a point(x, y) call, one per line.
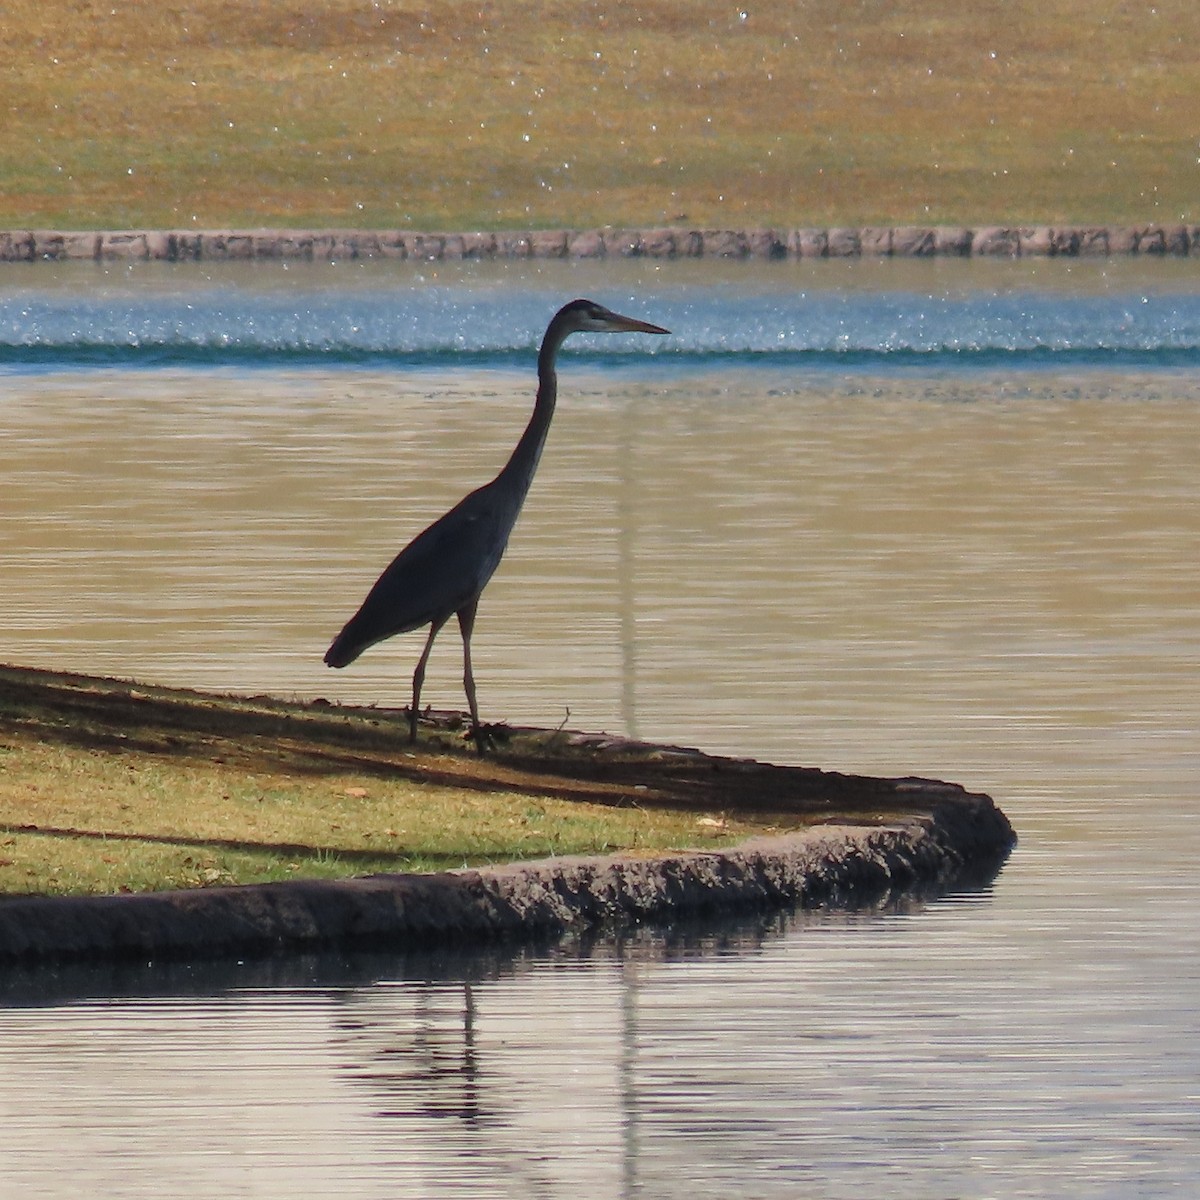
point(586, 316)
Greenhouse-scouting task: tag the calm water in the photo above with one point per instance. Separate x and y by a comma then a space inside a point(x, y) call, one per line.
point(933, 518)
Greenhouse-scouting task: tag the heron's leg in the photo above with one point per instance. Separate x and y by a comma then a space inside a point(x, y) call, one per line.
point(466, 624)
point(419, 678)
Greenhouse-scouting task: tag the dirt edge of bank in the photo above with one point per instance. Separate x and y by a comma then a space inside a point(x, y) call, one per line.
point(962, 839)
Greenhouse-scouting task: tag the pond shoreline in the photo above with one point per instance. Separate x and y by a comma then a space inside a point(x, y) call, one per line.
point(1065, 241)
point(848, 840)
point(876, 839)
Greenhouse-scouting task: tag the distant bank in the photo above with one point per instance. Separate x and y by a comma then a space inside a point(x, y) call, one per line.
point(662, 243)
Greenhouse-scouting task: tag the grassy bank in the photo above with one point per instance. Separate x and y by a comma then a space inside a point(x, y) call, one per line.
point(534, 114)
point(109, 787)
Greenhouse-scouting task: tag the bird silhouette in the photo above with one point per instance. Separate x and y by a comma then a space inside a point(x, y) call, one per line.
point(443, 570)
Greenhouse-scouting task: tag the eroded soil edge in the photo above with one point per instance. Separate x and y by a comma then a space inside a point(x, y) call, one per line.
point(861, 838)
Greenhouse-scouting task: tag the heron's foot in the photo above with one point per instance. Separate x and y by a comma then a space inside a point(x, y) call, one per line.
point(412, 718)
point(488, 737)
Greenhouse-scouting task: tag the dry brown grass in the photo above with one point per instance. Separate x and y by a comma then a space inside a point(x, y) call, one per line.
point(203, 113)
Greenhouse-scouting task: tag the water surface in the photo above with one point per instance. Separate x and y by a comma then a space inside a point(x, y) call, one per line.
point(920, 518)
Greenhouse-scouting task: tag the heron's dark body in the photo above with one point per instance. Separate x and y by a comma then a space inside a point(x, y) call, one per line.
point(438, 573)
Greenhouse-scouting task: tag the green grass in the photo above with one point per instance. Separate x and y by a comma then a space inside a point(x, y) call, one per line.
point(105, 787)
point(530, 114)
point(75, 821)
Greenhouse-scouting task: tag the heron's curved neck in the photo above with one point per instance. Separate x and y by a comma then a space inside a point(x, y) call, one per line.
point(524, 460)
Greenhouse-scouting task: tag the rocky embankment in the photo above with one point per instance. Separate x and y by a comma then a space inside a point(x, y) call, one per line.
point(660, 243)
point(949, 837)
point(845, 840)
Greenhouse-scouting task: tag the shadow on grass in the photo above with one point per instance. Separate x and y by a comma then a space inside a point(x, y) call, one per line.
point(378, 860)
point(317, 739)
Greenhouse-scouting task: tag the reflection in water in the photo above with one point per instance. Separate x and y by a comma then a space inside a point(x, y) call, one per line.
point(800, 1053)
point(985, 577)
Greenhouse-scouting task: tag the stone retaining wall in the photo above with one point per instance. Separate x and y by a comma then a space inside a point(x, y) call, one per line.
point(964, 838)
point(665, 243)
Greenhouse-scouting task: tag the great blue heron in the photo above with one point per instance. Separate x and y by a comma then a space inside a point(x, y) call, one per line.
point(442, 571)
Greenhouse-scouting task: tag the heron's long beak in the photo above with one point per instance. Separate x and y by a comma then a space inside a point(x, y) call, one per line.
point(622, 324)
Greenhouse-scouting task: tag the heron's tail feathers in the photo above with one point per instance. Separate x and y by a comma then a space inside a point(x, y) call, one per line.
point(347, 646)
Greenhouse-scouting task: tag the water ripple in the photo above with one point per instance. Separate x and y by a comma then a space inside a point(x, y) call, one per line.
point(249, 324)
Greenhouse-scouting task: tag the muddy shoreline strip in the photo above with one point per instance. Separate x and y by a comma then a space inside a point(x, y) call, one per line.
point(1065, 241)
point(961, 838)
